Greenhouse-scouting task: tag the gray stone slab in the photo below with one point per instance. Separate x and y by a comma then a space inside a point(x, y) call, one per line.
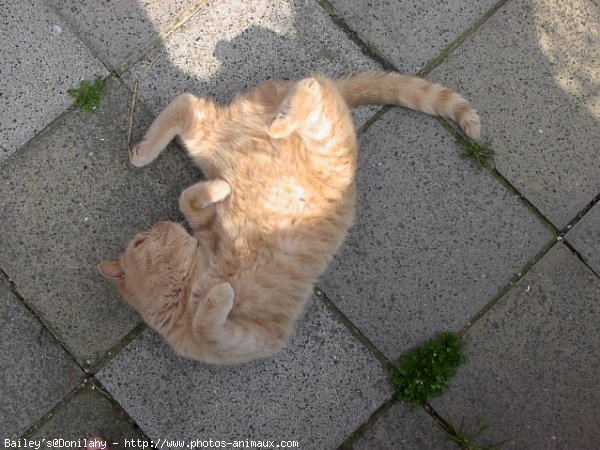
point(533, 361)
point(70, 199)
point(121, 30)
point(321, 387)
point(39, 60)
point(410, 33)
point(36, 371)
point(230, 46)
point(89, 413)
point(532, 73)
point(434, 240)
point(585, 238)
point(401, 429)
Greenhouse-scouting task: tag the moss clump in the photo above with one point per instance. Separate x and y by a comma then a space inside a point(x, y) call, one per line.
point(87, 97)
point(424, 372)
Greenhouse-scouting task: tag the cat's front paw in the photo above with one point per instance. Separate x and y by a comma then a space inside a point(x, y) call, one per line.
point(139, 155)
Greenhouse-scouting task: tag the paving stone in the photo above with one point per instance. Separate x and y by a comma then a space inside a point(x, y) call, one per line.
point(410, 33)
point(434, 240)
point(36, 371)
point(121, 30)
point(230, 46)
point(530, 72)
point(533, 361)
point(316, 391)
point(402, 429)
point(71, 200)
point(89, 413)
point(39, 60)
point(585, 238)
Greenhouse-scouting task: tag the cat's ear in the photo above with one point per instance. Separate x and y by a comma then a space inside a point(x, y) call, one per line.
point(111, 270)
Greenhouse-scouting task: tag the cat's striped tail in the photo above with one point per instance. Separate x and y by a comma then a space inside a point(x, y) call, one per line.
point(392, 88)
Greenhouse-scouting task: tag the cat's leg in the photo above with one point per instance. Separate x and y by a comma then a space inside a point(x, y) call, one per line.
point(301, 99)
point(182, 113)
point(314, 108)
point(213, 309)
point(229, 340)
point(197, 201)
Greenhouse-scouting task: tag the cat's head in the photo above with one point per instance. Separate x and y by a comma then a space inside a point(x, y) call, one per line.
point(153, 273)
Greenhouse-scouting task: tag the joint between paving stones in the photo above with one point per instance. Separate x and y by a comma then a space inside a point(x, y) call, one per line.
point(96, 384)
point(441, 57)
point(136, 55)
point(366, 426)
point(72, 109)
point(117, 348)
point(4, 278)
point(580, 215)
point(366, 47)
point(341, 317)
point(471, 148)
point(65, 20)
point(579, 256)
point(510, 285)
point(48, 415)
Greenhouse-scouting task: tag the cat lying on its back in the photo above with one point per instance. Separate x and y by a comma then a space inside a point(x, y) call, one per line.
point(280, 165)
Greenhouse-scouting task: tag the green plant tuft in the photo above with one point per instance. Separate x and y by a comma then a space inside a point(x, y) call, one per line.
point(87, 97)
point(466, 440)
point(424, 372)
point(482, 153)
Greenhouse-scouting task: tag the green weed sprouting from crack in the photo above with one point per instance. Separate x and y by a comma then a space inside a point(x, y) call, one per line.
point(424, 373)
point(482, 152)
point(464, 440)
point(87, 96)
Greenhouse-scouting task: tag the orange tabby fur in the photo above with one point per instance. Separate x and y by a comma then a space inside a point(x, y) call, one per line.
point(280, 163)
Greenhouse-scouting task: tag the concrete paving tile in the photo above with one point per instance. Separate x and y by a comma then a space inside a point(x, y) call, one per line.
point(122, 29)
point(402, 429)
point(410, 33)
point(534, 359)
point(434, 240)
point(530, 72)
point(39, 60)
point(36, 371)
point(585, 238)
point(317, 391)
point(89, 413)
point(70, 200)
point(230, 46)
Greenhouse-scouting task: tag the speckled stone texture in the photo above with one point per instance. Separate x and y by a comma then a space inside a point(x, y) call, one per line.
point(230, 46)
point(119, 31)
point(35, 374)
point(533, 361)
point(410, 33)
point(530, 72)
point(71, 200)
point(39, 60)
point(434, 240)
point(89, 413)
point(402, 429)
point(585, 238)
point(317, 391)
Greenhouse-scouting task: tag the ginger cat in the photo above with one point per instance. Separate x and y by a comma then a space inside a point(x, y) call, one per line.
point(280, 165)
